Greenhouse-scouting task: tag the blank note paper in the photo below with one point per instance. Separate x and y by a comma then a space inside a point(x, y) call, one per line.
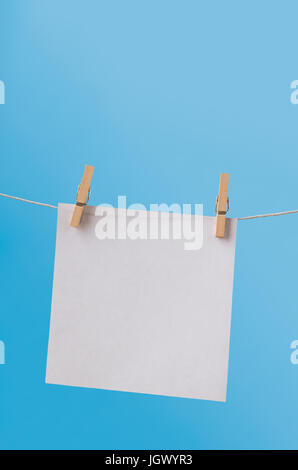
point(143, 316)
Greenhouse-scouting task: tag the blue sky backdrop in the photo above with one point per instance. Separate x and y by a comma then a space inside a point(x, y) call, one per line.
point(161, 97)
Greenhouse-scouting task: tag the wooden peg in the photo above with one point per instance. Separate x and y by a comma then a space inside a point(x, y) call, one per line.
point(222, 205)
point(82, 196)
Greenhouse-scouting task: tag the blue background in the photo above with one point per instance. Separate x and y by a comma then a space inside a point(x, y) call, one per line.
point(161, 96)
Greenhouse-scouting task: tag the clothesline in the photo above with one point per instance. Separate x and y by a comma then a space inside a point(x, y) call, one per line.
point(27, 200)
point(238, 218)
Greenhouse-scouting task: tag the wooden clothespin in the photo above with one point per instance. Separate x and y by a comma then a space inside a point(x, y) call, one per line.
point(222, 205)
point(82, 196)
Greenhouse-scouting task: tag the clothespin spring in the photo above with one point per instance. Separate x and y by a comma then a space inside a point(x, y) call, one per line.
point(222, 212)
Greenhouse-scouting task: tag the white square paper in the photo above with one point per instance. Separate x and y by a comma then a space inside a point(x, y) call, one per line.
point(142, 316)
